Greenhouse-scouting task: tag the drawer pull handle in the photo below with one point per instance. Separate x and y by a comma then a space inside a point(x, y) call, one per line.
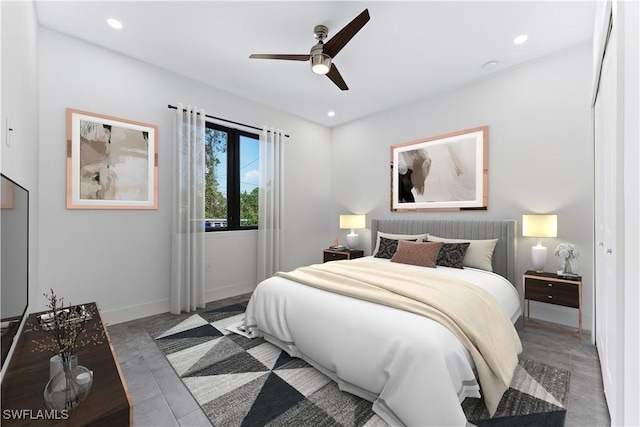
point(550, 296)
point(550, 284)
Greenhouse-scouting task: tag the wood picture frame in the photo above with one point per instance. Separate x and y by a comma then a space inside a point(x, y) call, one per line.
point(6, 193)
point(441, 173)
point(112, 163)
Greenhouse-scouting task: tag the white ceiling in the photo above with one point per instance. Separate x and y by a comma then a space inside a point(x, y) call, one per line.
point(407, 51)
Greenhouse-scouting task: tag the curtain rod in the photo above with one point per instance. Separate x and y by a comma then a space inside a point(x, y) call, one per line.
point(173, 107)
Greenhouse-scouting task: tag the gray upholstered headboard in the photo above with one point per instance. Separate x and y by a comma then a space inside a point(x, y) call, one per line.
point(504, 255)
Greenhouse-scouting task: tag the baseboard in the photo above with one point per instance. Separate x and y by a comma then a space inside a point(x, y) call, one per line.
point(229, 291)
point(126, 314)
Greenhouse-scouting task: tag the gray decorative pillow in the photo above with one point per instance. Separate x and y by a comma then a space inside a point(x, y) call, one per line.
point(452, 254)
point(480, 252)
point(388, 247)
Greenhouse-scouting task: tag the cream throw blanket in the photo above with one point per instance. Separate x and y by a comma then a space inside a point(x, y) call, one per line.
point(471, 313)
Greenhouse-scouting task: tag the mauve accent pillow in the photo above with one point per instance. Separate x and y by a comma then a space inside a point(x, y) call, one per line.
point(387, 248)
point(452, 255)
point(417, 253)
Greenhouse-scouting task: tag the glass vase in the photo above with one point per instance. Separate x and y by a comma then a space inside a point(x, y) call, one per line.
point(568, 266)
point(69, 387)
point(55, 364)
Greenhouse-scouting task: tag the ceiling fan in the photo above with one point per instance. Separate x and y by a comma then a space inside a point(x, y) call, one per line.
point(322, 53)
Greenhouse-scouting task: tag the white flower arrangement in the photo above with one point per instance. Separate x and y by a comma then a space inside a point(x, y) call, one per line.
point(567, 251)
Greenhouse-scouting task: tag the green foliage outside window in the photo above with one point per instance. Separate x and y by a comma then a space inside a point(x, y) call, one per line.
point(249, 207)
point(224, 152)
point(215, 199)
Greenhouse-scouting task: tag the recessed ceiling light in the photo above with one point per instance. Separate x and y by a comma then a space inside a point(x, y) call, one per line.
point(489, 65)
point(114, 23)
point(521, 39)
point(331, 113)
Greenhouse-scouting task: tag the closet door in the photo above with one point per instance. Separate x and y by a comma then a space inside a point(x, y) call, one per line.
point(607, 196)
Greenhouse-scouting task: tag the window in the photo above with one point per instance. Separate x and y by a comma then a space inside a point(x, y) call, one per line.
point(231, 175)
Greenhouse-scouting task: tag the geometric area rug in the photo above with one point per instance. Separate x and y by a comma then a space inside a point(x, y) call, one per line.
point(537, 396)
point(239, 381)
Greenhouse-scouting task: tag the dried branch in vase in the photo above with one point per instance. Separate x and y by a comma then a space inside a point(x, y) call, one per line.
point(67, 327)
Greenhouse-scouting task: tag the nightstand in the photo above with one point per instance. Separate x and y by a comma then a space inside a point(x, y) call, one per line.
point(331, 255)
point(548, 288)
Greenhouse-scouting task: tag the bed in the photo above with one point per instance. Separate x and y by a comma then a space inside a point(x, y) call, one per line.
point(414, 369)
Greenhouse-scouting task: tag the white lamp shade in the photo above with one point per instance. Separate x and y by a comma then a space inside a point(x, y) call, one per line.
point(540, 225)
point(352, 221)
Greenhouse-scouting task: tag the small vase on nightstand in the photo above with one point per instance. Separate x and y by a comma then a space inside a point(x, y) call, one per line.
point(568, 267)
point(69, 386)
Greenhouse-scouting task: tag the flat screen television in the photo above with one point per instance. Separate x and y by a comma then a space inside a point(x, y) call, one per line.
point(14, 264)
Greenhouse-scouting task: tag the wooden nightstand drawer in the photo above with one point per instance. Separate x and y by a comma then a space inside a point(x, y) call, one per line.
point(334, 256)
point(552, 292)
point(550, 288)
point(331, 255)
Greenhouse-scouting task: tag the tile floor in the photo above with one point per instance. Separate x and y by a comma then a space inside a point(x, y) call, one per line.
point(160, 398)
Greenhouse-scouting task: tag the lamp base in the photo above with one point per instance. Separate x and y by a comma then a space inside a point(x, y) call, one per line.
point(539, 257)
point(352, 240)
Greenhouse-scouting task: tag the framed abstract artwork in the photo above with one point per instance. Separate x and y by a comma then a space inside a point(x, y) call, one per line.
point(445, 172)
point(112, 163)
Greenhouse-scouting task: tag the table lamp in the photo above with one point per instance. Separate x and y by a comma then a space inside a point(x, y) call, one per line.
point(352, 222)
point(539, 226)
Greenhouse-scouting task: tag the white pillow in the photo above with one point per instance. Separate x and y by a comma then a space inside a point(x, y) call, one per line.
point(418, 237)
point(480, 252)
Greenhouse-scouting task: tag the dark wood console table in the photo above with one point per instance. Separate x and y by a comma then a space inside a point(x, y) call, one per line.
point(108, 403)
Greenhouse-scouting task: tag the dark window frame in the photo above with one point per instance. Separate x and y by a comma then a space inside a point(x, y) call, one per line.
point(233, 177)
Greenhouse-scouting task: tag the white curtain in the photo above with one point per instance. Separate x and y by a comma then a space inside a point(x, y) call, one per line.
point(187, 245)
point(271, 203)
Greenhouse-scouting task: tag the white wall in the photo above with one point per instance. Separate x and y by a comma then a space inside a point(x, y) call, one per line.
point(19, 92)
point(120, 258)
point(540, 156)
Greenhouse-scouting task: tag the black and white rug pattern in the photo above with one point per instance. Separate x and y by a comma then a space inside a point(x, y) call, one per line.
point(249, 382)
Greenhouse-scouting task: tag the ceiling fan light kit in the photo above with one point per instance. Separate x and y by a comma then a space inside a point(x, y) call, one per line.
point(322, 54)
point(320, 63)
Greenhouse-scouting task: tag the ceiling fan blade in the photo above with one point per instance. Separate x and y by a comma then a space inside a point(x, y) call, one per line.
point(277, 56)
point(335, 77)
point(337, 42)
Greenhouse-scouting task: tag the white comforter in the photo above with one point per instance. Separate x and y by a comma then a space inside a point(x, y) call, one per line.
point(412, 368)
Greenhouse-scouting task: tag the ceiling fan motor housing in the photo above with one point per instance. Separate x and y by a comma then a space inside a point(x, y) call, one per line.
point(320, 32)
point(320, 61)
